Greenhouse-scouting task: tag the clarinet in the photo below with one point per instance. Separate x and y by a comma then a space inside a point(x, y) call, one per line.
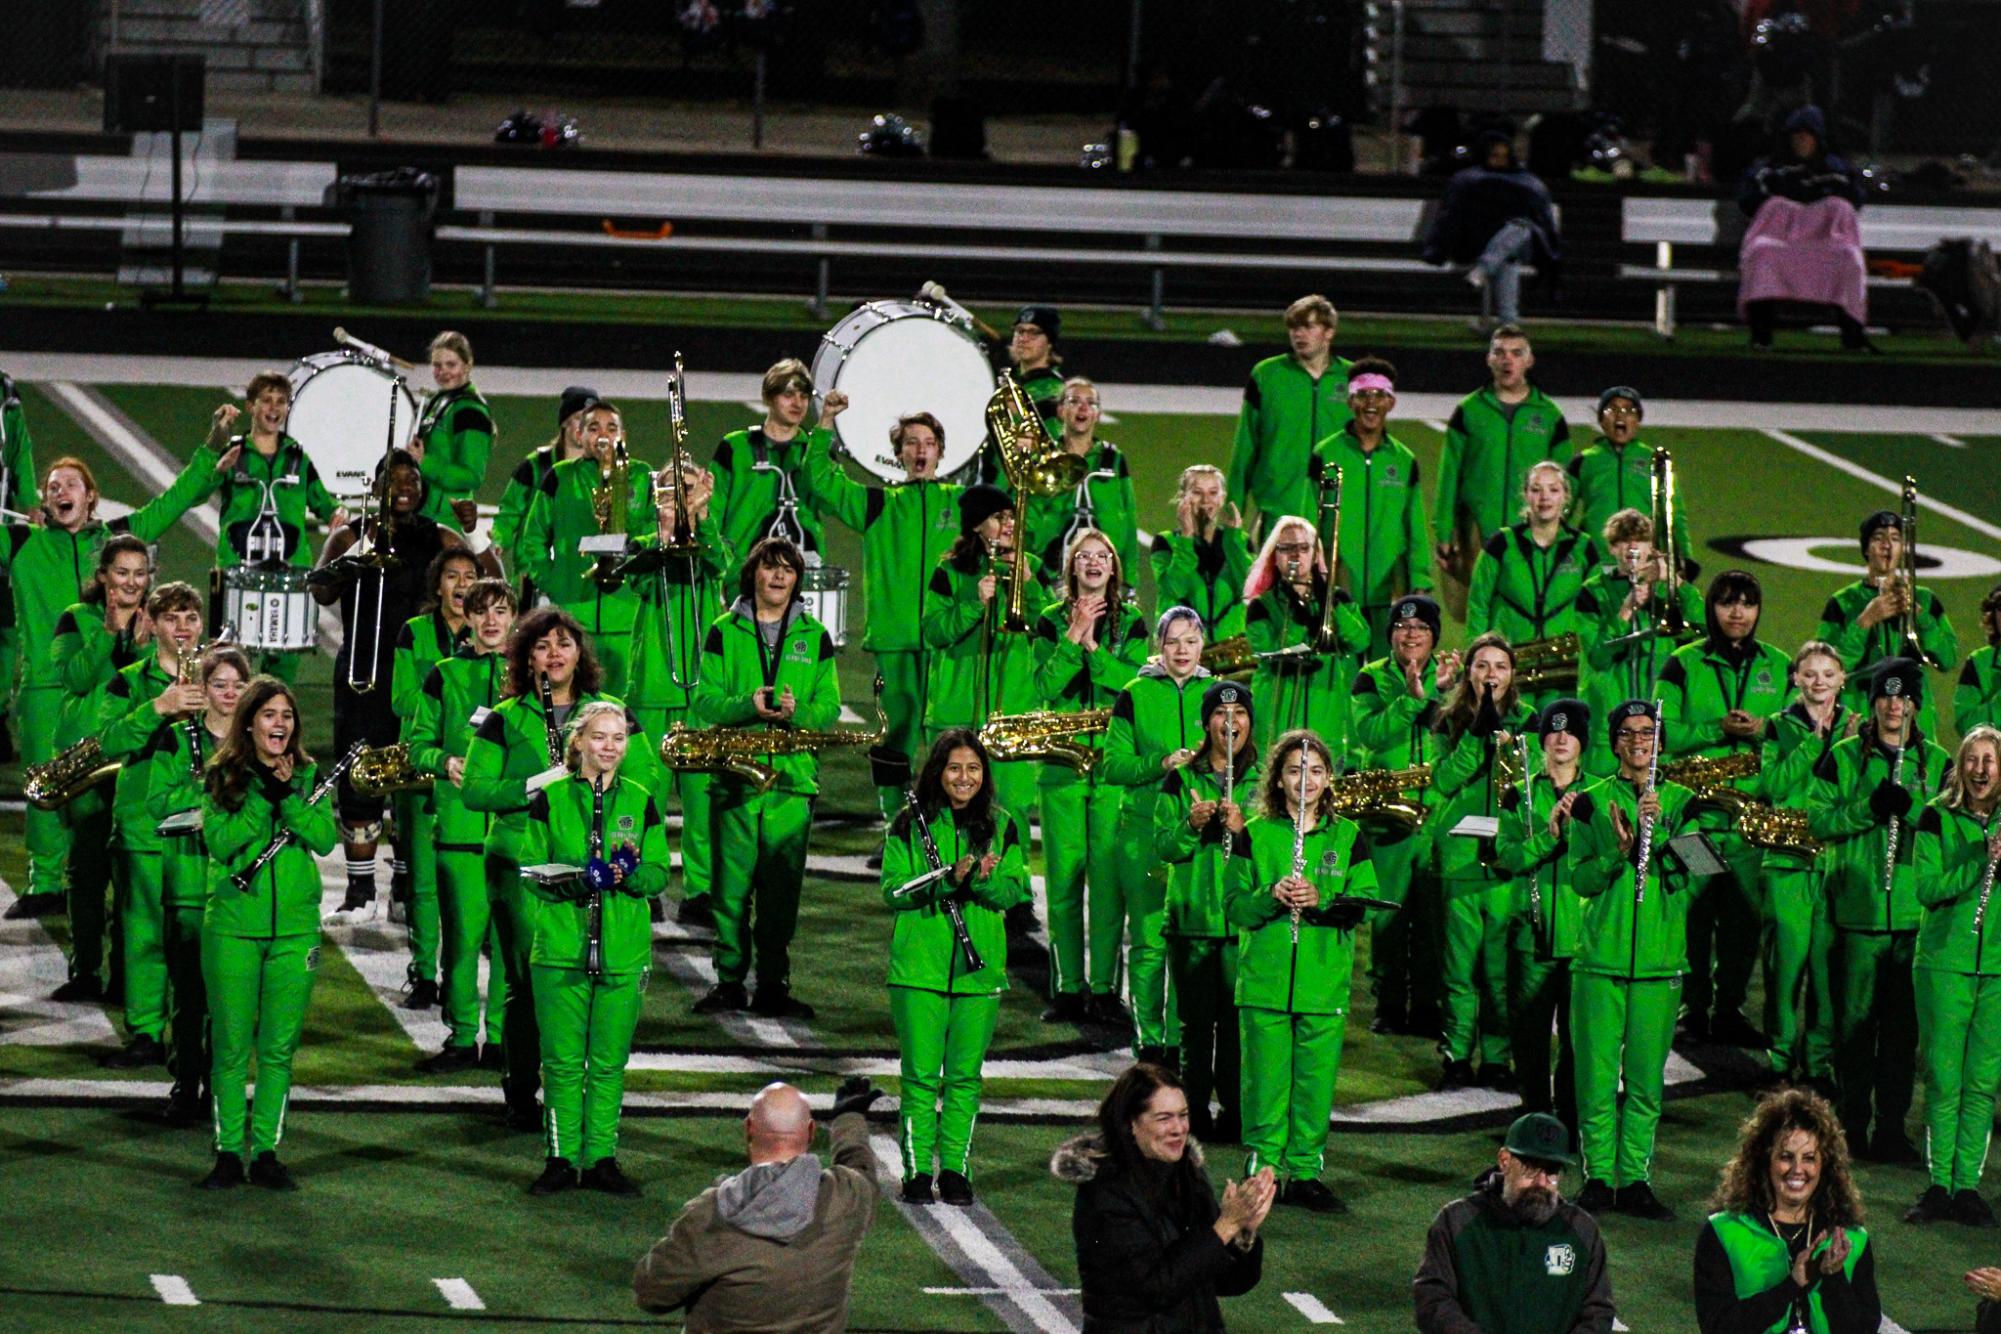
point(961, 937)
point(283, 839)
point(549, 718)
point(594, 905)
point(1528, 830)
point(1986, 891)
point(1896, 828)
point(1299, 838)
point(1229, 785)
point(1647, 824)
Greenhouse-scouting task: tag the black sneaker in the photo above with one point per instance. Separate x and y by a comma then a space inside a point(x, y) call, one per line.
point(1693, 1029)
point(180, 1112)
point(1388, 1024)
point(1312, 1196)
point(656, 910)
point(359, 896)
point(1970, 1209)
point(955, 1189)
point(1498, 1078)
point(1456, 1075)
point(1107, 1010)
point(423, 995)
point(917, 1190)
point(31, 906)
point(604, 1175)
point(79, 990)
point(723, 997)
point(1595, 1198)
point(696, 912)
point(450, 1060)
point(1152, 1056)
point(1229, 1129)
point(227, 1174)
point(140, 1051)
point(779, 1003)
point(1894, 1148)
point(1932, 1206)
point(1066, 1007)
point(1639, 1201)
point(492, 1057)
point(268, 1172)
point(557, 1175)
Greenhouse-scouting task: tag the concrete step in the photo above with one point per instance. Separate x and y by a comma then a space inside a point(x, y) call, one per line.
point(1475, 23)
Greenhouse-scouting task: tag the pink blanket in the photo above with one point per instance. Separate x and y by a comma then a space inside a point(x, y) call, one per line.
point(1804, 252)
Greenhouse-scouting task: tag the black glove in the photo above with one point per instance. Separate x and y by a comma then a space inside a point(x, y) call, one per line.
point(1487, 718)
point(1889, 799)
point(1583, 808)
point(336, 573)
point(276, 789)
point(854, 1095)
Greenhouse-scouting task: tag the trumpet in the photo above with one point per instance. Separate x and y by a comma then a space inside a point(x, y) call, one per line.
point(1382, 796)
point(380, 770)
point(610, 501)
point(1548, 664)
point(668, 489)
point(1050, 735)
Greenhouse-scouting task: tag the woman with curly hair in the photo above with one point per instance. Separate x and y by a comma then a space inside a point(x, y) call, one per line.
point(1785, 1249)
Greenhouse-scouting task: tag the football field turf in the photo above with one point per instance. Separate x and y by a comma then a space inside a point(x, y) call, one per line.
point(410, 1179)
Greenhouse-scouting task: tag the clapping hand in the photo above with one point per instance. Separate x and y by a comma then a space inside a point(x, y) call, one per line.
point(1985, 1282)
point(1244, 1206)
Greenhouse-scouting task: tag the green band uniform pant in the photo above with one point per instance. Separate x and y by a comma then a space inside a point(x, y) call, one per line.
point(761, 866)
point(1539, 997)
point(514, 909)
point(96, 881)
point(1622, 1031)
point(36, 713)
point(943, 1041)
point(416, 839)
point(1143, 886)
point(1205, 998)
point(467, 924)
point(142, 923)
point(1291, 1062)
point(188, 1055)
point(698, 834)
point(1876, 1030)
point(1079, 848)
point(1723, 930)
point(1792, 900)
point(1475, 976)
point(257, 992)
point(905, 675)
point(1818, 1024)
point(1959, 1028)
point(586, 1034)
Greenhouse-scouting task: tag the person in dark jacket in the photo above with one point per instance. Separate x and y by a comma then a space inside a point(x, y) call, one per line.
point(1154, 1247)
point(1790, 255)
point(1515, 1255)
point(1496, 217)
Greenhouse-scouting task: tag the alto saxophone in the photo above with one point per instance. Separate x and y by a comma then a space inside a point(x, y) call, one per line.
point(1709, 778)
point(55, 784)
point(1777, 829)
point(1047, 734)
point(745, 751)
point(380, 770)
point(1382, 796)
point(1228, 657)
point(1548, 664)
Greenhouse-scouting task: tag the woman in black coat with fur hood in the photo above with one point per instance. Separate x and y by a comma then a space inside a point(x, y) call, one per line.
point(1154, 1248)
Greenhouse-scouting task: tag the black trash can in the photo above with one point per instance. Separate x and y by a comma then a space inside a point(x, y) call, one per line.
point(389, 249)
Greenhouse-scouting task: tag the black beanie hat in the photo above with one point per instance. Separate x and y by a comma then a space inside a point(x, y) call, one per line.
point(577, 398)
point(1897, 677)
point(1224, 692)
point(1046, 318)
point(1420, 606)
point(1632, 708)
point(1570, 716)
point(1880, 519)
point(1626, 392)
point(979, 503)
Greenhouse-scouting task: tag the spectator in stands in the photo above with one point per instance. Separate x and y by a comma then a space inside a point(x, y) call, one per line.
point(772, 1247)
point(1154, 1248)
point(1496, 217)
point(1805, 242)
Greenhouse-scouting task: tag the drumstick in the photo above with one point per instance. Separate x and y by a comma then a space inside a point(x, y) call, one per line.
point(347, 339)
point(936, 294)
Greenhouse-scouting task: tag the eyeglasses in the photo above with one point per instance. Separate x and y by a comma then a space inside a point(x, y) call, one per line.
point(1293, 548)
point(1094, 558)
point(1637, 733)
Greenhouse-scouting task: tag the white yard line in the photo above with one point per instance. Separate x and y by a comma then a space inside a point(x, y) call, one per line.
point(1860, 473)
point(1312, 1308)
point(31, 967)
point(1949, 441)
point(458, 1294)
point(174, 1290)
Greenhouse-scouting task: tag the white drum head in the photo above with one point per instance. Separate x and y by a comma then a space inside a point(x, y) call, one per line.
point(340, 414)
point(910, 362)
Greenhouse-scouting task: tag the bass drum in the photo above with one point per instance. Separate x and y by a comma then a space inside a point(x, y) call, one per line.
point(340, 414)
point(896, 357)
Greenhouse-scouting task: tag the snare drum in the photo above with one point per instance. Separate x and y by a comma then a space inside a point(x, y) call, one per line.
point(270, 608)
point(896, 357)
point(340, 414)
point(823, 593)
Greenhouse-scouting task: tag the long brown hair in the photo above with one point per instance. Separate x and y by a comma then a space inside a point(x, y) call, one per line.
point(435, 574)
point(521, 652)
point(94, 592)
point(976, 823)
point(1464, 701)
point(1115, 591)
point(227, 778)
point(1123, 1105)
point(1272, 795)
point(1745, 1185)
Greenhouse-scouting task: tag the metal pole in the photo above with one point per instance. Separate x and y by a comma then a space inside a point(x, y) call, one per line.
point(1132, 46)
point(375, 76)
point(757, 102)
point(177, 214)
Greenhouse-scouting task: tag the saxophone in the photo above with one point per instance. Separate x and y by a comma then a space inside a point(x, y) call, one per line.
point(380, 770)
point(1547, 664)
point(744, 751)
point(55, 784)
point(1046, 734)
point(1778, 828)
point(1709, 778)
point(1228, 657)
point(1382, 796)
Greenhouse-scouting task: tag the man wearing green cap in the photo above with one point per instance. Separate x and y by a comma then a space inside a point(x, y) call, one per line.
point(1514, 1254)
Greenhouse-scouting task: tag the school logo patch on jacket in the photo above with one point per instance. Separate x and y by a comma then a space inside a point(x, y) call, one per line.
point(1559, 1259)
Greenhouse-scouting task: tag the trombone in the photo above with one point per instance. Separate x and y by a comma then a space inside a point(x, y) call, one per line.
point(669, 491)
point(1328, 638)
point(1906, 575)
point(370, 554)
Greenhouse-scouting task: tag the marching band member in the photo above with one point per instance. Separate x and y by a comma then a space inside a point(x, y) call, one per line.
point(680, 596)
point(1625, 986)
point(265, 499)
point(425, 640)
point(1295, 954)
point(103, 632)
point(1482, 717)
point(260, 939)
point(46, 563)
point(1385, 543)
point(943, 1007)
point(525, 483)
point(1204, 562)
point(516, 750)
point(593, 949)
point(1799, 997)
point(906, 530)
point(454, 436)
point(1864, 620)
point(1296, 684)
point(977, 669)
point(1088, 646)
point(1526, 579)
point(1616, 471)
point(566, 511)
point(766, 662)
point(17, 493)
point(130, 725)
point(1395, 700)
point(175, 787)
point(1864, 788)
point(1624, 624)
point(457, 696)
point(1102, 498)
point(1977, 699)
point(1534, 848)
point(1156, 728)
point(1496, 433)
point(760, 471)
point(1198, 804)
point(1292, 402)
point(1717, 697)
point(1038, 369)
point(1958, 979)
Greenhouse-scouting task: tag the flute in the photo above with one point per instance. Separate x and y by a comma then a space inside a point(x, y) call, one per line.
point(1528, 831)
point(1986, 891)
point(1647, 822)
point(1896, 828)
point(1229, 783)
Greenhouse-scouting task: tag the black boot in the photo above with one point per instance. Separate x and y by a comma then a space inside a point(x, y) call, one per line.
point(79, 990)
point(1066, 1007)
point(1932, 1206)
point(1312, 1195)
point(1970, 1209)
point(142, 1050)
point(778, 1002)
point(722, 998)
point(1595, 1198)
point(1639, 1201)
point(449, 1060)
point(268, 1172)
point(696, 912)
point(557, 1175)
point(423, 995)
point(227, 1174)
point(955, 1189)
point(604, 1175)
point(917, 1190)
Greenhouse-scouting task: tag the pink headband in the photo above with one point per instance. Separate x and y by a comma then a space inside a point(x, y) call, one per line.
point(1371, 380)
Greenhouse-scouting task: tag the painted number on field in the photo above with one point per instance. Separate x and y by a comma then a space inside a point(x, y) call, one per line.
point(174, 1290)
